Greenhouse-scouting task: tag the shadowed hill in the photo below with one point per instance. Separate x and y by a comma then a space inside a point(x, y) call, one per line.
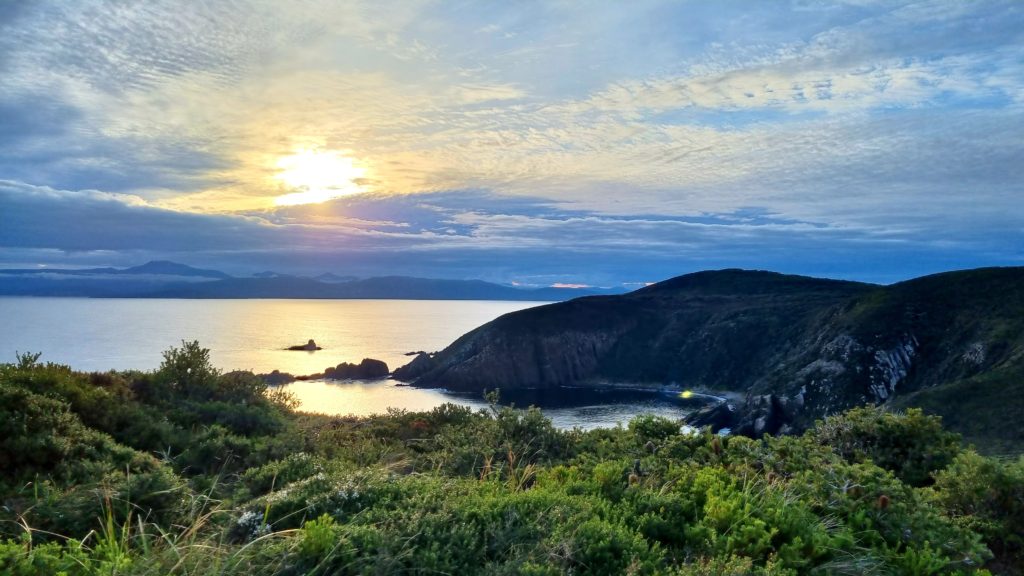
point(795, 348)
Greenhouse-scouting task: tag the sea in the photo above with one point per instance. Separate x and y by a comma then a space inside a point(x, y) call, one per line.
point(253, 334)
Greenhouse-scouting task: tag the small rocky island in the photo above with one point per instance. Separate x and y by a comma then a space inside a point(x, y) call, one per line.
point(308, 346)
point(368, 369)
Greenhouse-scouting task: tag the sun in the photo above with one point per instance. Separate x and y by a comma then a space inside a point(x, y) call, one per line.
point(318, 176)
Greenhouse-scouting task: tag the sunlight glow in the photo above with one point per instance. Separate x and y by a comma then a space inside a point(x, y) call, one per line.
point(318, 176)
point(686, 394)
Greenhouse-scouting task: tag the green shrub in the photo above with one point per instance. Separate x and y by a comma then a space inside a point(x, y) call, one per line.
point(23, 559)
point(730, 566)
point(260, 480)
point(913, 446)
point(598, 547)
point(187, 371)
point(40, 436)
point(987, 496)
point(648, 427)
point(323, 547)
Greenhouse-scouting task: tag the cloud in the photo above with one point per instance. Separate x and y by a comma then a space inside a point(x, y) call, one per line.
point(661, 133)
point(196, 106)
point(466, 234)
point(72, 221)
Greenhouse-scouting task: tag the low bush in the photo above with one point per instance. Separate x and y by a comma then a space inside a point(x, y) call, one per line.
point(912, 445)
point(987, 496)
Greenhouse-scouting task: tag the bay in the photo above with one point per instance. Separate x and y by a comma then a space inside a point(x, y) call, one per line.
point(131, 334)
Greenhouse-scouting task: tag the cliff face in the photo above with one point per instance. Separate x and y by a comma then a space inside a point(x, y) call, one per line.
point(562, 345)
point(796, 348)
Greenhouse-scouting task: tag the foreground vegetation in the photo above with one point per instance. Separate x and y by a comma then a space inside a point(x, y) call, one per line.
point(189, 471)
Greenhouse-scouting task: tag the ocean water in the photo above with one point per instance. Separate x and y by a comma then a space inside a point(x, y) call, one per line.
point(104, 334)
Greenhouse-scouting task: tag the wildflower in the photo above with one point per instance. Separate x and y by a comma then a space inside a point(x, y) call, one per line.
point(252, 524)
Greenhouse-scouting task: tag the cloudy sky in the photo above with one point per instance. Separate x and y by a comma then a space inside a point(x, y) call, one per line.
point(574, 142)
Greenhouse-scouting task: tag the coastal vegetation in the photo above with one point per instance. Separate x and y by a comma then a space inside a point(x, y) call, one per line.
point(187, 470)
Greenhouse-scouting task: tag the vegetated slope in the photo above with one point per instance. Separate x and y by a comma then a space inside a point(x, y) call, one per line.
point(971, 363)
point(189, 470)
point(796, 348)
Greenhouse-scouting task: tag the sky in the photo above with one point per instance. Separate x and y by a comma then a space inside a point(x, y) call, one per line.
point(535, 143)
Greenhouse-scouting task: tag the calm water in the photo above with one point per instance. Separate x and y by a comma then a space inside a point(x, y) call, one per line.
point(566, 407)
point(104, 334)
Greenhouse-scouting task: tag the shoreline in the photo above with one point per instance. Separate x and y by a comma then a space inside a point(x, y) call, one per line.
point(719, 396)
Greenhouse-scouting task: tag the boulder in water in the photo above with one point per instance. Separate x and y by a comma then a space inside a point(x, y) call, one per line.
point(308, 346)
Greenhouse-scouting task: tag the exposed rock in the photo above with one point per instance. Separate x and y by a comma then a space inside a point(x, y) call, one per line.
point(764, 414)
point(717, 416)
point(975, 354)
point(368, 369)
point(842, 348)
point(891, 367)
point(755, 416)
point(419, 366)
point(276, 378)
point(822, 367)
point(308, 346)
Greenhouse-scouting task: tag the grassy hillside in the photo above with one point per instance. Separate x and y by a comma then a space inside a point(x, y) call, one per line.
point(189, 471)
point(986, 409)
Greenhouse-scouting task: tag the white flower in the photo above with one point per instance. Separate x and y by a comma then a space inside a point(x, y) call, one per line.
point(252, 524)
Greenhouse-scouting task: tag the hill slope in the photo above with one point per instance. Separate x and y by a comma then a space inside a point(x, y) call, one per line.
point(793, 348)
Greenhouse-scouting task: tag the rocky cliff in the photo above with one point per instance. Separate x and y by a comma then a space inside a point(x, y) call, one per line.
point(794, 348)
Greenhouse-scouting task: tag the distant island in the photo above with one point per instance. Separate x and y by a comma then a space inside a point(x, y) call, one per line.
point(792, 349)
point(164, 279)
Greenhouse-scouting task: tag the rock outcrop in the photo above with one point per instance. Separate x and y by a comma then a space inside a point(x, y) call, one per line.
point(308, 346)
point(418, 366)
point(368, 369)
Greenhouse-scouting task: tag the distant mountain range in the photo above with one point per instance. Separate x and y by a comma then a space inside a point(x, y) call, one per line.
point(786, 350)
point(163, 279)
point(155, 267)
